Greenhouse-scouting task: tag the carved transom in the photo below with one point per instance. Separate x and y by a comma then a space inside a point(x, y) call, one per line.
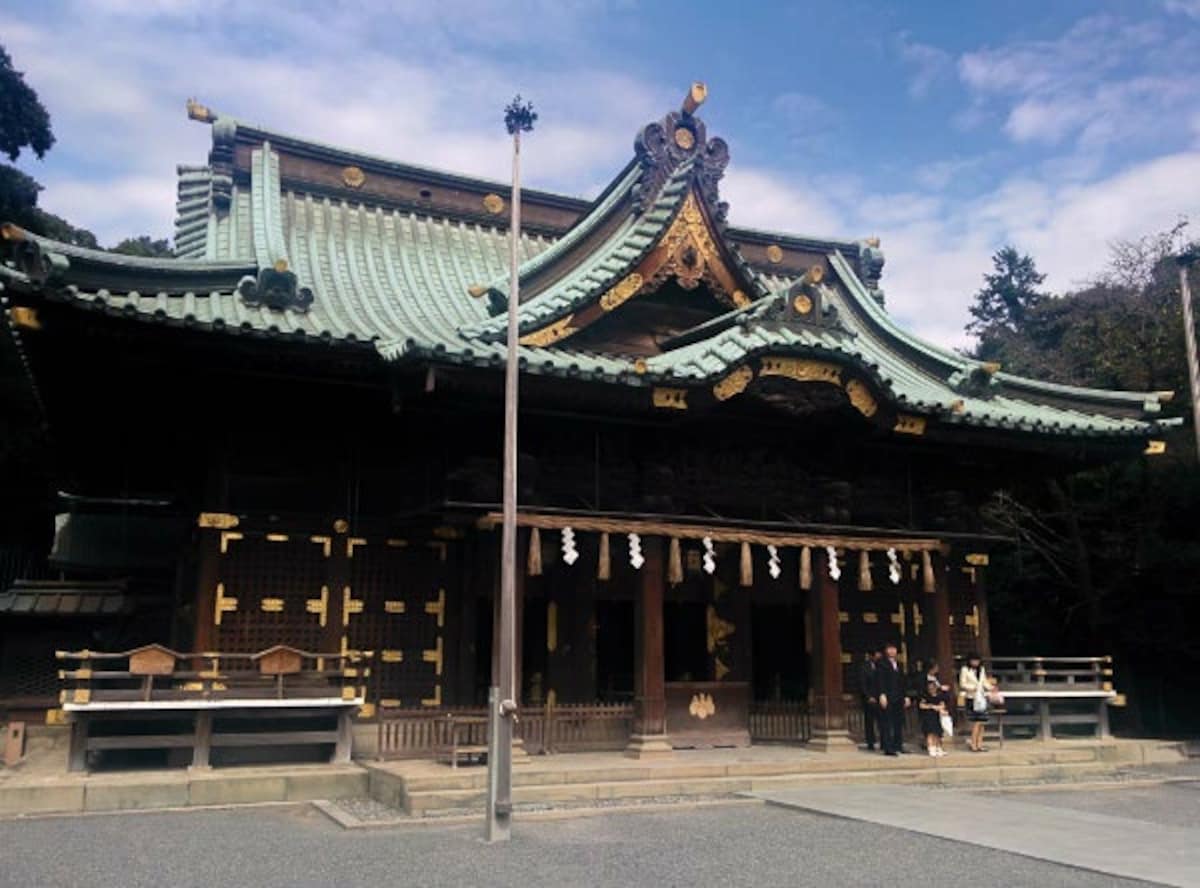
point(688, 253)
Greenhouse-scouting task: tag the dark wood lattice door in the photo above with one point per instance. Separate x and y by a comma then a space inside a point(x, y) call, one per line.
point(272, 588)
point(395, 604)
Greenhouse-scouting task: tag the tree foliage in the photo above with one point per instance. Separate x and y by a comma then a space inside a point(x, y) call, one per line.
point(1107, 560)
point(24, 121)
point(1009, 294)
point(145, 245)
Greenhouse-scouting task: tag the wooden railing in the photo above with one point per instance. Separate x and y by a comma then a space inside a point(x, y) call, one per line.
point(1042, 693)
point(552, 728)
point(780, 721)
point(153, 698)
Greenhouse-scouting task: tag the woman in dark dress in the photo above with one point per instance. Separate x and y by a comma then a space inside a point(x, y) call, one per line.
point(931, 704)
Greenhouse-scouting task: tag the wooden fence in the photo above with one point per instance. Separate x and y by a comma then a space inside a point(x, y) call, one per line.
point(780, 721)
point(563, 727)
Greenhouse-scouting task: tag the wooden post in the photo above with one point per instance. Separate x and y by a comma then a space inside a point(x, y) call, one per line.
point(649, 736)
point(985, 626)
point(828, 708)
point(202, 743)
point(345, 737)
point(207, 577)
point(77, 754)
point(943, 651)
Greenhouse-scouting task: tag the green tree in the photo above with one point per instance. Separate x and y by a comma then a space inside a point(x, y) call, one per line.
point(1004, 302)
point(145, 245)
point(25, 124)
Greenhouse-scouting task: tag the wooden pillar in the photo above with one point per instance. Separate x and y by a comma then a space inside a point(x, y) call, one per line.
point(828, 708)
point(649, 736)
point(943, 652)
point(207, 577)
point(981, 601)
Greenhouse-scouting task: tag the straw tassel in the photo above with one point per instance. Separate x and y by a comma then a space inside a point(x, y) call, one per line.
point(806, 568)
point(603, 569)
point(927, 573)
point(535, 553)
point(865, 584)
point(674, 563)
point(747, 572)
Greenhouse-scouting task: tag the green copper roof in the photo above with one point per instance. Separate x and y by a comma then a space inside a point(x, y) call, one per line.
point(398, 282)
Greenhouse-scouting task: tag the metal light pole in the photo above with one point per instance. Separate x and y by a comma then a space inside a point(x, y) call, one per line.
point(519, 117)
point(1186, 261)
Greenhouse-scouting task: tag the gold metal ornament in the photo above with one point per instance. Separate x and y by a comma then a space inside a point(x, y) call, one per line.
point(774, 254)
point(909, 425)
point(670, 398)
point(861, 398)
point(802, 370)
point(702, 706)
point(353, 177)
point(803, 304)
point(493, 203)
point(733, 384)
point(549, 334)
point(685, 138)
point(622, 292)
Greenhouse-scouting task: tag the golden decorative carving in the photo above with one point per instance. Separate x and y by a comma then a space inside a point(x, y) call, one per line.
point(870, 617)
point(436, 699)
point(434, 655)
point(802, 370)
point(493, 203)
point(972, 620)
point(918, 620)
point(200, 112)
point(25, 317)
point(802, 303)
point(228, 537)
point(689, 253)
point(733, 384)
point(720, 670)
point(277, 538)
point(640, 366)
point(549, 334)
point(437, 608)
point(977, 559)
point(774, 254)
point(319, 606)
point(391, 656)
point(843, 617)
point(394, 606)
point(622, 292)
point(476, 290)
point(1154, 448)
point(815, 274)
point(702, 706)
point(217, 520)
point(224, 604)
point(718, 630)
point(907, 424)
point(740, 299)
point(670, 398)
point(341, 525)
point(326, 544)
point(685, 138)
point(353, 177)
point(350, 606)
point(271, 605)
point(352, 543)
point(861, 397)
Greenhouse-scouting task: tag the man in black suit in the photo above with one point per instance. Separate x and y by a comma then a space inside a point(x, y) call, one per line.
point(890, 682)
point(866, 692)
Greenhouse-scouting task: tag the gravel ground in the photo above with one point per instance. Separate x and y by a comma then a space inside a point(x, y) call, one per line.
point(296, 847)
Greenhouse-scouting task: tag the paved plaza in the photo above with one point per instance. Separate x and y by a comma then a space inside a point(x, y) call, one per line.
point(726, 845)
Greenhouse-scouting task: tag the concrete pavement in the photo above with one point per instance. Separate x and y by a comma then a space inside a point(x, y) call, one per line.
point(1107, 843)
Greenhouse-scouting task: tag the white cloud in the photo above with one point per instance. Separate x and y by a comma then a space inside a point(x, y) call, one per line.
point(929, 64)
point(1104, 81)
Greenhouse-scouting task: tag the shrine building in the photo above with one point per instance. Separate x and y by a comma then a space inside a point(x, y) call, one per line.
point(737, 471)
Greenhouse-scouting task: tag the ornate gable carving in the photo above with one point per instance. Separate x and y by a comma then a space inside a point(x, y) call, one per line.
point(681, 136)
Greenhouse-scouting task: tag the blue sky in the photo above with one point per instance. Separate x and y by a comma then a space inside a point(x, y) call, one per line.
point(947, 129)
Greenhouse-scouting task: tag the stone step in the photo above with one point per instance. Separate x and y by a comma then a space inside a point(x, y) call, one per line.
point(431, 801)
point(559, 770)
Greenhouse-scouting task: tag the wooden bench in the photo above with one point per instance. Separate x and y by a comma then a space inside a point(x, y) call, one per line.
point(465, 737)
point(211, 700)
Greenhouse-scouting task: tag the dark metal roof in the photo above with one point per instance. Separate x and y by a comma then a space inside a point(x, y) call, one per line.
point(66, 598)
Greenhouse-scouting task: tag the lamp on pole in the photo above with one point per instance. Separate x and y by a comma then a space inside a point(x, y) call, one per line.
point(1186, 261)
point(519, 117)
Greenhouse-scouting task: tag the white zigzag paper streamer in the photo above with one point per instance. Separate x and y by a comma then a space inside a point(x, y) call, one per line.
point(835, 569)
point(710, 556)
point(773, 567)
point(636, 558)
point(893, 567)
point(569, 553)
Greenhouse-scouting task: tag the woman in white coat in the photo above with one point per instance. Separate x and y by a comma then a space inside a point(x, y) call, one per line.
point(974, 686)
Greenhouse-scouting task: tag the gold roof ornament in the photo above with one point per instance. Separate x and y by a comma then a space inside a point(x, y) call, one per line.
point(695, 97)
point(774, 254)
point(493, 203)
point(353, 177)
point(200, 112)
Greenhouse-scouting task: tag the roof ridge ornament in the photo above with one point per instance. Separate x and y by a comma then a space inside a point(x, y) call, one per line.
point(678, 138)
point(275, 288)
